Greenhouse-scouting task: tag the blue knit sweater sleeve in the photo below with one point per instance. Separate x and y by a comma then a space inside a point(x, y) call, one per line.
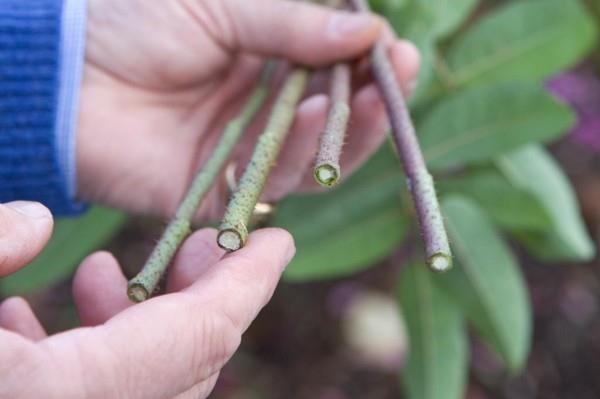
point(35, 154)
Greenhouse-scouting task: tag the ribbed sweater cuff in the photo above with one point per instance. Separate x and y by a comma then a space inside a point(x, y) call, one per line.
point(30, 49)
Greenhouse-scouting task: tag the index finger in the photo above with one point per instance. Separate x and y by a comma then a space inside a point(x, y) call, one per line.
point(244, 281)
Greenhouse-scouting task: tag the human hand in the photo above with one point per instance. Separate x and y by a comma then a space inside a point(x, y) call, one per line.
point(162, 78)
point(171, 346)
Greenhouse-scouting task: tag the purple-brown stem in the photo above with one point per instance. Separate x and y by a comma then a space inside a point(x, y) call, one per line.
point(420, 182)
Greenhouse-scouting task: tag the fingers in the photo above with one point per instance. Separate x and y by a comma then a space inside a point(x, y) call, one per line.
point(368, 121)
point(365, 132)
point(405, 59)
point(298, 153)
point(99, 289)
point(17, 316)
point(367, 129)
point(199, 252)
point(25, 228)
point(167, 345)
point(301, 32)
point(243, 282)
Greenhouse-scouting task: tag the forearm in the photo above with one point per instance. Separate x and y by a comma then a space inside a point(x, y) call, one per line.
point(40, 71)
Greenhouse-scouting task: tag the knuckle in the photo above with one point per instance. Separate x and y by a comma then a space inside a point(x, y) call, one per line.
point(242, 272)
point(217, 337)
point(215, 17)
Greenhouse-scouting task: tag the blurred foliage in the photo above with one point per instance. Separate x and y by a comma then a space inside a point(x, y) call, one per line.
point(509, 207)
point(486, 272)
point(471, 126)
point(351, 234)
point(534, 170)
point(524, 40)
point(437, 361)
point(482, 112)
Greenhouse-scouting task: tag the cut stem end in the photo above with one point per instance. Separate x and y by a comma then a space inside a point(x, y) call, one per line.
point(137, 293)
point(327, 175)
point(440, 262)
point(230, 240)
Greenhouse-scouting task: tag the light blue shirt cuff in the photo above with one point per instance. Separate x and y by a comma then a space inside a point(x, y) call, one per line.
point(72, 55)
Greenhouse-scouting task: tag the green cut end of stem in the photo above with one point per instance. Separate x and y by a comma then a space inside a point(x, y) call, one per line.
point(326, 175)
point(137, 293)
point(440, 262)
point(230, 240)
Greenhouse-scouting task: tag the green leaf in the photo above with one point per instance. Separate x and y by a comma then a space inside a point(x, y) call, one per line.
point(534, 170)
point(72, 240)
point(511, 208)
point(382, 6)
point(437, 362)
point(426, 20)
point(430, 77)
point(484, 122)
point(349, 228)
point(487, 282)
point(523, 40)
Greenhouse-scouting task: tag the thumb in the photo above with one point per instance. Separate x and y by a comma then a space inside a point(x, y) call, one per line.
point(302, 32)
point(25, 228)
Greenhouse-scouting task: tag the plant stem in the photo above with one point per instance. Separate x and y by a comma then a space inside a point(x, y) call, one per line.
point(327, 166)
point(335, 3)
point(420, 182)
point(233, 231)
point(144, 284)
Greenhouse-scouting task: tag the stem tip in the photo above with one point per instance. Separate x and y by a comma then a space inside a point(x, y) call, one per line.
point(327, 175)
point(137, 293)
point(230, 240)
point(440, 262)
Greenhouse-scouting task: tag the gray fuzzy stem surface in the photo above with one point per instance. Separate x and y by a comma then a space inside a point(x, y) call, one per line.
point(420, 182)
point(327, 165)
point(233, 230)
point(142, 286)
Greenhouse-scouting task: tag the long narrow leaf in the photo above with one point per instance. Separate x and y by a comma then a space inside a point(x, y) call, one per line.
point(484, 122)
point(349, 228)
point(487, 282)
point(437, 361)
point(530, 39)
point(534, 170)
point(512, 208)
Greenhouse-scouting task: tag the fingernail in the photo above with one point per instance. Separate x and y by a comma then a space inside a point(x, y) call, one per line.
point(343, 24)
point(33, 210)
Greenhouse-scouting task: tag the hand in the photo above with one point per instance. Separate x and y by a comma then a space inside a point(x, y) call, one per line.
point(171, 346)
point(162, 78)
